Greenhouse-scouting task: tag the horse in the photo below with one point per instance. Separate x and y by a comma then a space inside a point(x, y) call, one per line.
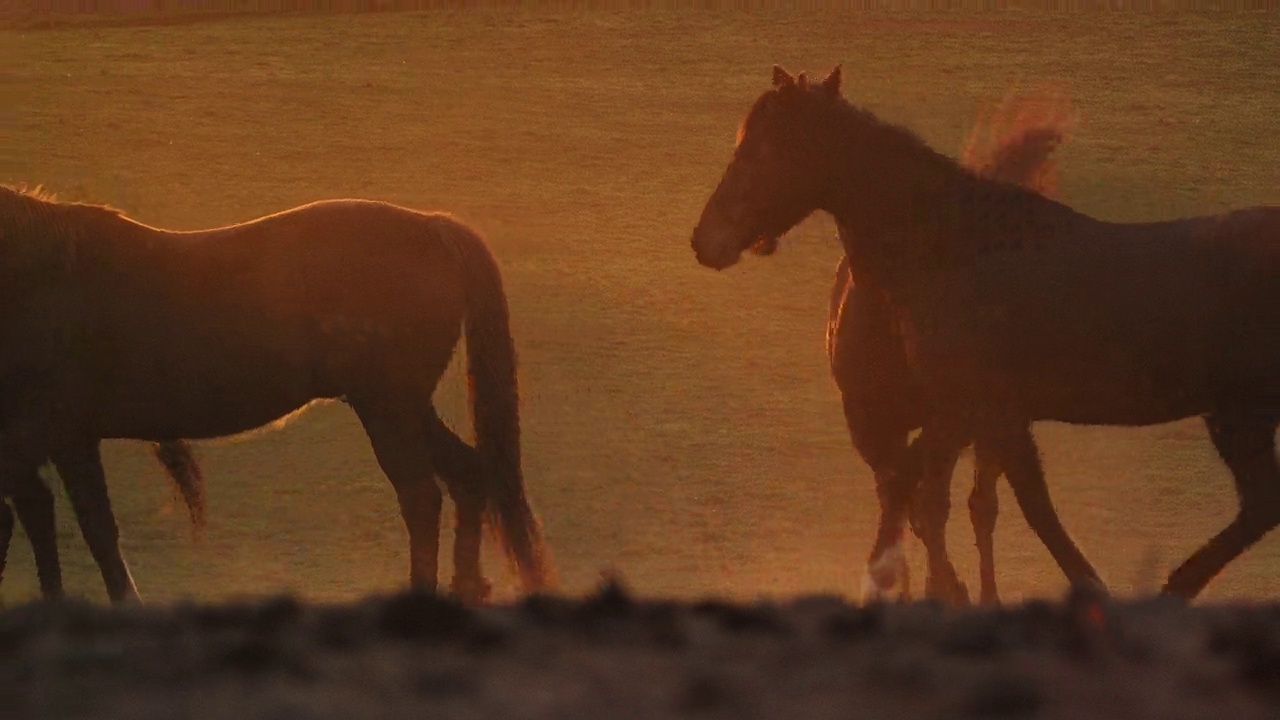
point(31, 502)
point(111, 328)
point(1017, 308)
point(883, 402)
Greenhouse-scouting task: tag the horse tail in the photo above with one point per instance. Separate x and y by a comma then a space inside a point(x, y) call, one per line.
point(179, 461)
point(495, 408)
point(1016, 144)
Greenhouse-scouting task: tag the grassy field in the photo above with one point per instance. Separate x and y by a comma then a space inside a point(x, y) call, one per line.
point(680, 425)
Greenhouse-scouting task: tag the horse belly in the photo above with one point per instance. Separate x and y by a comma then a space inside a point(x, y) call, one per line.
point(1059, 351)
point(227, 394)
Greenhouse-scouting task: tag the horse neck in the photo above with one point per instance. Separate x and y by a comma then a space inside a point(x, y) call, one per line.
point(909, 213)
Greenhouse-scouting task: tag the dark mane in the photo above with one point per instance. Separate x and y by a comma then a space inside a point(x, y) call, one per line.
point(897, 140)
point(1019, 211)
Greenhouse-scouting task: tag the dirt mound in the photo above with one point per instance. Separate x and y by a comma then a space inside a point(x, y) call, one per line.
point(612, 656)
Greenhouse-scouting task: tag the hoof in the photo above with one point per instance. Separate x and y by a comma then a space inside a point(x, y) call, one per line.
point(886, 578)
point(949, 591)
point(471, 591)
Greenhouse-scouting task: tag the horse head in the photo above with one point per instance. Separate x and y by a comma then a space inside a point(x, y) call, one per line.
point(780, 172)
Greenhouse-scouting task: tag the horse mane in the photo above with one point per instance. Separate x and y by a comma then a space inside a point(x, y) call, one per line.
point(36, 199)
point(895, 138)
point(44, 229)
point(35, 192)
point(1022, 208)
point(1016, 142)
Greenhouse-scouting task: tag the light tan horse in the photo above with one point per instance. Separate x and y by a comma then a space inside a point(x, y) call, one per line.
point(1017, 308)
point(110, 328)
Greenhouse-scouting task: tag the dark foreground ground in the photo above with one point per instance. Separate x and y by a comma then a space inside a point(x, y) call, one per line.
point(610, 656)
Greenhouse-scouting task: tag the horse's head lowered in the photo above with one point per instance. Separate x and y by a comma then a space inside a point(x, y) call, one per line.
point(780, 171)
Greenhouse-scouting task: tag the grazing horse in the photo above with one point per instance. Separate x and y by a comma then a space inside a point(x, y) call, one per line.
point(32, 503)
point(883, 401)
point(110, 328)
point(1016, 308)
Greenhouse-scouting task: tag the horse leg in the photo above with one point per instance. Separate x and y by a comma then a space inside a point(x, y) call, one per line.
point(915, 478)
point(984, 507)
point(6, 535)
point(80, 465)
point(33, 503)
point(881, 446)
point(1247, 444)
point(932, 504)
point(400, 445)
point(887, 573)
point(1016, 450)
point(460, 467)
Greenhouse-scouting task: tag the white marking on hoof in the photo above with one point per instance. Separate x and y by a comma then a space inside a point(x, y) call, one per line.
point(881, 580)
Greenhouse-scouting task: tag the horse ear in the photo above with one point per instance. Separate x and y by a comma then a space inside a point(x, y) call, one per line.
point(831, 83)
point(803, 81)
point(782, 78)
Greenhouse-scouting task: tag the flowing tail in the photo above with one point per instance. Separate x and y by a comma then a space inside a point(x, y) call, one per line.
point(179, 460)
point(495, 408)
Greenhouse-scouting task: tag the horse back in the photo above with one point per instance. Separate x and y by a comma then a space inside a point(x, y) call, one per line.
point(1113, 324)
point(333, 298)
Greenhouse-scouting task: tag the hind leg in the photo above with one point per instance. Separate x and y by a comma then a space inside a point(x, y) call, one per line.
point(401, 448)
point(984, 507)
point(1016, 450)
point(1247, 444)
point(33, 503)
point(461, 469)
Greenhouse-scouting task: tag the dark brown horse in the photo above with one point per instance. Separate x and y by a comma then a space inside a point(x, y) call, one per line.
point(113, 329)
point(883, 401)
point(1017, 308)
point(32, 505)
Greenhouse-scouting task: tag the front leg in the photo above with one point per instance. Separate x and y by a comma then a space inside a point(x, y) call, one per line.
point(984, 507)
point(887, 575)
point(33, 504)
point(31, 500)
point(80, 465)
point(938, 448)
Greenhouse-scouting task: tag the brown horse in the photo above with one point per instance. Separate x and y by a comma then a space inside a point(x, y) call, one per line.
point(1017, 308)
point(32, 503)
point(110, 328)
point(882, 399)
